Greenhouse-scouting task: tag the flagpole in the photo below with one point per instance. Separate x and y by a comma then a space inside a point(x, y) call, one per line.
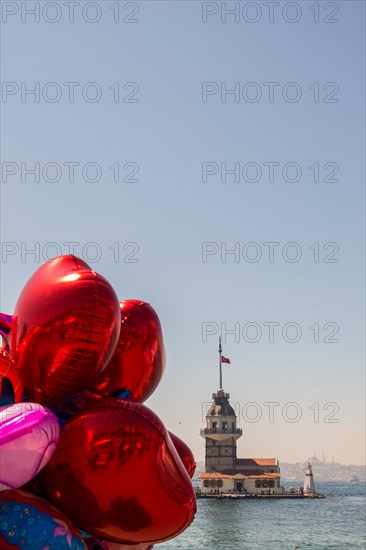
point(220, 362)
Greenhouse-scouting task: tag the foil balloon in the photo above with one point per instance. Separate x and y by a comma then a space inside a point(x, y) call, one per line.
point(65, 328)
point(138, 362)
point(185, 454)
point(136, 366)
point(28, 437)
point(8, 372)
point(117, 476)
point(30, 523)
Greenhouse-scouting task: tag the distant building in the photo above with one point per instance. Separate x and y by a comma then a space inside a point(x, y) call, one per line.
point(224, 472)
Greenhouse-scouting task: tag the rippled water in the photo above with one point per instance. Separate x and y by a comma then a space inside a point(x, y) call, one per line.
point(336, 522)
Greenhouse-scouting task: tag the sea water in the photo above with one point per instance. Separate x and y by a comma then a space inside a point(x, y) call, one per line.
point(337, 522)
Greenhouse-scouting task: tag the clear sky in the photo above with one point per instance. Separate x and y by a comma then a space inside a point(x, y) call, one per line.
point(147, 93)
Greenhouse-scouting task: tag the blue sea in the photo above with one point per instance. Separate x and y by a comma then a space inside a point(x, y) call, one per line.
point(337, 522)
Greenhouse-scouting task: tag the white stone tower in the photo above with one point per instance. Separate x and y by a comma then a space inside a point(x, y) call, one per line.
point(221, 434)
point(309, 485)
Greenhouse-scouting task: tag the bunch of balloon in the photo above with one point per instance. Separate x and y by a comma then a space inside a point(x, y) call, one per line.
point(75, 368)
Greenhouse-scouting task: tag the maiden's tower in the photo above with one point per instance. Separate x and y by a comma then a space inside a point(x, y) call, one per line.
point(224, 471)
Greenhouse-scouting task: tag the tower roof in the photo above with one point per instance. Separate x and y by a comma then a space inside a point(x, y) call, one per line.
point(252, 462)
point(221, 405)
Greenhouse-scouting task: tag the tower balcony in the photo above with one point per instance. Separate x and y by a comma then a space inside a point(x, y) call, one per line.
point(228, 431)
point(221, 434)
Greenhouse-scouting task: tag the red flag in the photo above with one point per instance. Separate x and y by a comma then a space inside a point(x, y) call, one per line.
point(225, 359)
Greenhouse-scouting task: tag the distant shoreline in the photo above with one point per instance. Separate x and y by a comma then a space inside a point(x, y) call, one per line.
point(324, 472)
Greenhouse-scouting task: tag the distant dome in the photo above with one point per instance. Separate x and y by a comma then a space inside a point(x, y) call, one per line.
point(220, 406)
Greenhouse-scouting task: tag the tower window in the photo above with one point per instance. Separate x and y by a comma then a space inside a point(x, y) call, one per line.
point(224, 425)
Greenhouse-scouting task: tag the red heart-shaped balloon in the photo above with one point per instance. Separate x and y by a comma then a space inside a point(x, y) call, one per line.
point(116, 475)
point(65, 328)
point(138, 361)
point(137, 364)
point(185, 454)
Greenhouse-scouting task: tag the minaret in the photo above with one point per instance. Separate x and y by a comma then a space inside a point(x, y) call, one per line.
point(220, 432)
point(309, 485)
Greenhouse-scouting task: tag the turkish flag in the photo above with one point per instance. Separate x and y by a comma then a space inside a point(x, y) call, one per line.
point(225, 359)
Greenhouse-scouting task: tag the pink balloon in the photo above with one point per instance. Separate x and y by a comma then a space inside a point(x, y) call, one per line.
point(28, 437)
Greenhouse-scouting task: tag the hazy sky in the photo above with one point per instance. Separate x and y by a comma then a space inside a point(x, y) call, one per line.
point(140, 110)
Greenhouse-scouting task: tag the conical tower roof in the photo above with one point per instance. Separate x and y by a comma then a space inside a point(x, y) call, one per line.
point(221, 405)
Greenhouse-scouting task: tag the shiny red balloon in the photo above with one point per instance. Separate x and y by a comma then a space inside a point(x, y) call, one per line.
point(7, 370)
point(116, 475)
point(65, 328)
point(185, 454)
point(138, 362)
